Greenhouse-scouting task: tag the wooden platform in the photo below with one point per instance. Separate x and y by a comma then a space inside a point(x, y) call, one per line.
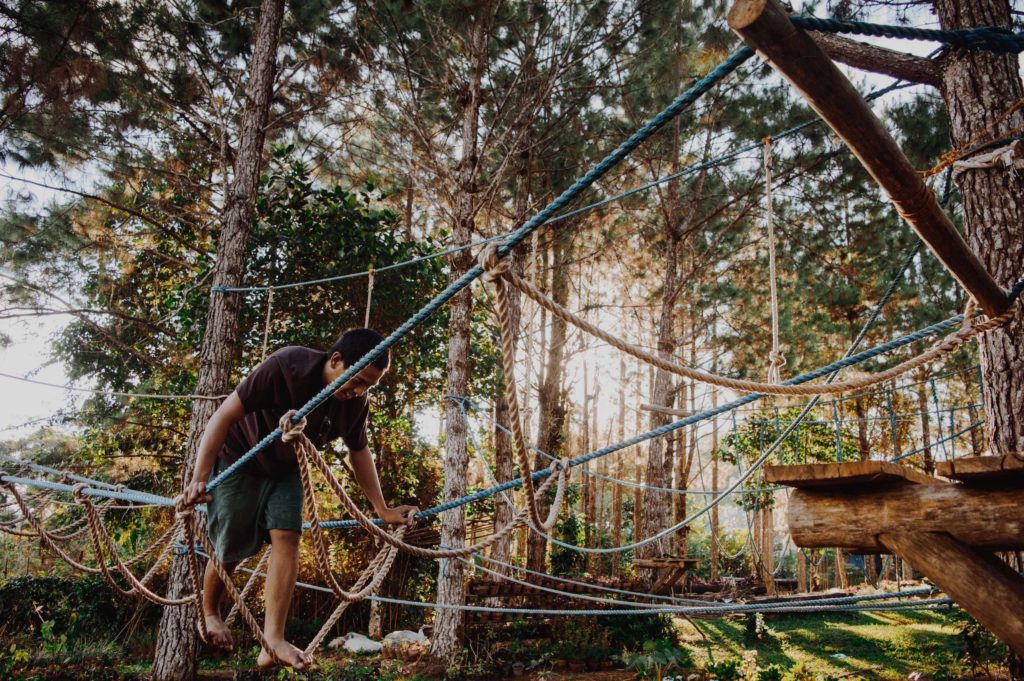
point(984, 470)
point(810, 475)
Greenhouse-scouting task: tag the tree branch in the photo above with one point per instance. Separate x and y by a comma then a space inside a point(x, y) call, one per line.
point(879, 59)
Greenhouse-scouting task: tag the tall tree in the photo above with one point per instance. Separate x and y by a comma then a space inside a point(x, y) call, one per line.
point(177, 641)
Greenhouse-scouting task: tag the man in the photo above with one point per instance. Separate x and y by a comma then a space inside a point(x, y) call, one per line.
point(263, 500)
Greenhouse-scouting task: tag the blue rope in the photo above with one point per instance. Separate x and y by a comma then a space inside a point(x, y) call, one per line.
point(982, 38)
point(684, 100)
point(846, 361)
point(689, 170)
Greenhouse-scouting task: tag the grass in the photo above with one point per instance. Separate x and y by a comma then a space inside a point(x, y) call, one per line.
point(884, 645)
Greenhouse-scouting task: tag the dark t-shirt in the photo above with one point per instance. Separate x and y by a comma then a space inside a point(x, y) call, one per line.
point(287, 380)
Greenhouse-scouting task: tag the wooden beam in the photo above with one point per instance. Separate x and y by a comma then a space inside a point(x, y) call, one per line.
point(844, 474)
point(853, 518)
point(983, 586)
point(765, 26)
point(985, 470)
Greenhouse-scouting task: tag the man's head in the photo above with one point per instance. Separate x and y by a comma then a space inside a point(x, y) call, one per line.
point(351, 347)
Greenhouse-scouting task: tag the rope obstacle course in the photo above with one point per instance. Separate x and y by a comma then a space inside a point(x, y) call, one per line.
point(998, 305)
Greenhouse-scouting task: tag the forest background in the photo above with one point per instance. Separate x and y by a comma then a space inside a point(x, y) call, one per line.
point(397, 130)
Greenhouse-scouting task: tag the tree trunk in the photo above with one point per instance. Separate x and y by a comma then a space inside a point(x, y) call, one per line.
point(551, 403)
point(620, 471)
point(715, 523)
point(177, 641)
point(446, 641)
point(978, 87)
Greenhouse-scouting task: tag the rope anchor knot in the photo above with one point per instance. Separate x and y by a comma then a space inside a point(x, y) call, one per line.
point(494, 266)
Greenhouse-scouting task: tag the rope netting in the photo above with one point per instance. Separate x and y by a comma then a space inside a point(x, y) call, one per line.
point(185, 534)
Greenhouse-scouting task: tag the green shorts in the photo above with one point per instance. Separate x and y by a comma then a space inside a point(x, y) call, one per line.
point(245, 508)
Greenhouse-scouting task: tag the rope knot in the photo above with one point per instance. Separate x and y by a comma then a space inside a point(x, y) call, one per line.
point(78, 490)
point(291, 431)
point(181, 510)
point(494, 266)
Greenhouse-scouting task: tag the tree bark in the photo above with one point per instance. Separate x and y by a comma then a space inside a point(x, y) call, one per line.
point(177, 642)
point(926, 431)
point(446, 641)
point(977, 88)
point(551, 403)
point(620, 470)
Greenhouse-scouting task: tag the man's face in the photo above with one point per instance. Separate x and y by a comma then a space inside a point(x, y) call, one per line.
point(355, 386)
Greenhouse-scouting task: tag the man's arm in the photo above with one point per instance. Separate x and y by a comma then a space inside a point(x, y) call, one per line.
point(229, 411)
point(365, 471)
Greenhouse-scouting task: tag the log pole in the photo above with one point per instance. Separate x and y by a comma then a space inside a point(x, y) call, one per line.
point(765, 27)
point(985, 587)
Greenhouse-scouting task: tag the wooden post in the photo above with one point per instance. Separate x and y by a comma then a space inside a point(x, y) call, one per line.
point(765, 26)
point(983, 585)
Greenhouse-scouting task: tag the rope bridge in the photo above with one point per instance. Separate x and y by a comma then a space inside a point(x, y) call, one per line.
point(182, 536)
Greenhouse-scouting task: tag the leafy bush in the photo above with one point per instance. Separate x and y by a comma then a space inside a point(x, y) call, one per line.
point(657, 659)
point(630, 633)
point(726, 670)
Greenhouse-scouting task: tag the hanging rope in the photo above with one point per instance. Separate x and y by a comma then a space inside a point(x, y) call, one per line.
point(776, 360)
point(369, 295)
point(306, 452)
point(494, 269)
point(940, 349)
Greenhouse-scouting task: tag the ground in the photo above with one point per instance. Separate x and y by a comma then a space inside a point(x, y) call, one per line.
point(825, 646)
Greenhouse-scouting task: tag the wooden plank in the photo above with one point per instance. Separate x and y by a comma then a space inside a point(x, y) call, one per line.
point(765, 26)
point(852, 518)
point(983, 586)
point(844, 474)
point(985, 470)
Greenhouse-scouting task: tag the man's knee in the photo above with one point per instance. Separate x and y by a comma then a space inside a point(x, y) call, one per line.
point(285, 540)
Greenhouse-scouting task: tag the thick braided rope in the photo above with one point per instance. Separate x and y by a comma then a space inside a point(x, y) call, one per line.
point(943, 347)
point(494, 269)
point(188, 522)
point(230, 588)
point(249, 583)
point(379, 567)
point(776, 360)
point(983, 38)
point(104, 544)
point(305, 448)
point(381, 563)
point(50, 542)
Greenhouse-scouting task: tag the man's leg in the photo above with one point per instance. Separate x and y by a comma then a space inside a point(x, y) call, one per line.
point(213, 595)
point(284, 567)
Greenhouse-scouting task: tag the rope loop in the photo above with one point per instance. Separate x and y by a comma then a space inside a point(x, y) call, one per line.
point(181, 509)
point(291, 431)
point(78, 492)
point(494, 266)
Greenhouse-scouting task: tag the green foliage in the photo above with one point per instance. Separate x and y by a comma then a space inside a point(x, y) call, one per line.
point(581, 639)
point(657, 659)
point(568, 528)
point(756, 628)
point(730, 669)
point(772, 672)
point(630, 632)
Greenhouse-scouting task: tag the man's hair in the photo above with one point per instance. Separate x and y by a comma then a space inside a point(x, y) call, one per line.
point(355, 343)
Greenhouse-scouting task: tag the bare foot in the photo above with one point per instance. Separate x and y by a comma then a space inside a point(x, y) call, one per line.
point(289, 655)
point(217, 633)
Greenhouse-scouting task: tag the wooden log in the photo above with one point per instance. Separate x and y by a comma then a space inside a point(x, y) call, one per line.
point(990, 519)
point(983, 586)
point(765, 26)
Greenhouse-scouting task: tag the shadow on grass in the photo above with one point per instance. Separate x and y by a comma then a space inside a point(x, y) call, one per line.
point(889, 645)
